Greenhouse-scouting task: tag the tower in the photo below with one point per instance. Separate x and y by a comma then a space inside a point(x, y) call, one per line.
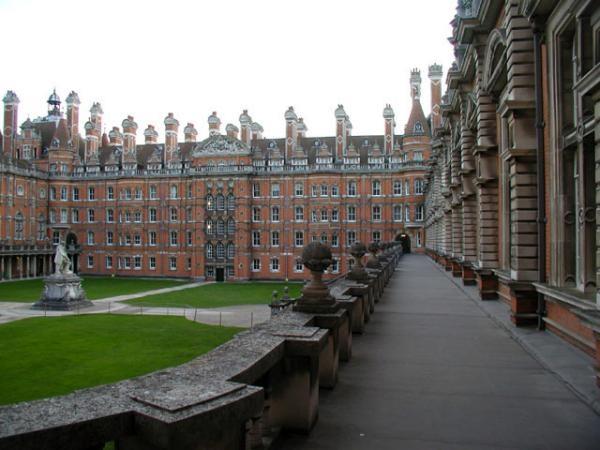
point(435, 76)
point(91, 144)
point(388, 135)
point(11, 109)
point(73, 118)
point(54, 105)
point(245, 125)
point(415, 84)
point(341, 119)
point(129, 145)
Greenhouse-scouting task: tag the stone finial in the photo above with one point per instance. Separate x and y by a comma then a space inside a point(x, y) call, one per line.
point(73, 98)
point(388, 112)
point(373, 261)
point(340, 113)
point(315, 295)
point(10, 98)
point(358, 272)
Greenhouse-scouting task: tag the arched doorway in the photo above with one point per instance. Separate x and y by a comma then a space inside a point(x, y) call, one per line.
point(73, 251)
point(404, 239)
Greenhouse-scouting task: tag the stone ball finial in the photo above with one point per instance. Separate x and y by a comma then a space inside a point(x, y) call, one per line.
point(358, 250)
point(373, 247)
point(317, 257)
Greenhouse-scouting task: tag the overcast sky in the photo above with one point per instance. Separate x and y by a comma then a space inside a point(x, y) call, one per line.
point(147, 58)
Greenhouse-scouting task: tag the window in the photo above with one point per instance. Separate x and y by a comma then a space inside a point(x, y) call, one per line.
point(209, 251)
point(275, 265)
point(127, 194)
point(90, 215)
point(210, 203)
point(55, 237)
point(110, 215)
point(418, 239)
point(230, 250)
point(335, 215)
point(256, 238)
point(138, 193)
point(220, 226)
point(407, 213)
point(75, 194)
point(152, 215)
point(419, 213)
point(324, 190)
point(90, 261)
point(417, 156)
point(335, 266)
point(188, 264)
point(127, 216)
point(63, 193)
point(418, 186)
point(63, 216)
point(173, 214)
point(209, 226)
point(275, 214)
point(220, 250)
point(231, 226)
point(397, 187)
point(335, 241)
point(110, 193)
point(418, 128)
point(256, 214)
point(189, 238)
point(153, 195)
point(324, 215)
point(173, 193)
point(19, 224)
point(352, 188)
point(324, 238)
point(376, 187)
point(406, 187)
point(275, 190)
point(314, 216)
point(255, 265)
point(152, 262)
point(188, 214)
point(108, 262)
point(110, 238)
point(299, 189)
point(173, 237)
point(230, 202)
point(220, 202)
point(299, 239)
point(127, 239)
point(172, 263)
point(152, 238)
point(137, 262)
point(52, 216)
point(210, 272)
point(41, 228)
point(91, 193)
point(334, 190)
point(90, 238)
point(350, 238)
point(137, 240)
point(314, 190)
point(189, 191)
point(274, 238)
point(137, 216)
point(256, 190)
point(52, 193)
point(351, 214)
point(298, 267)
point(397, 211)
point(376, 213)
point(127, 262)
point(376, 236)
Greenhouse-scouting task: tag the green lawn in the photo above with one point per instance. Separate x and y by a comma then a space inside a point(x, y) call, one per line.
point(219, 294)
point(95, 287)
point(48, 356)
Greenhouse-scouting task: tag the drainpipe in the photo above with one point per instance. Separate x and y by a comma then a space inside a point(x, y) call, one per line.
point(541, 188)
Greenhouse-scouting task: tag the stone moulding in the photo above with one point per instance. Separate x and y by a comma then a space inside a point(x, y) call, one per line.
point(239, 395)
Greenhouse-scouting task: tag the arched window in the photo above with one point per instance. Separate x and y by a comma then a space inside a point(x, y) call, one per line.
point(418, 127)
point(230, 226)
point(230, 202)
point(220, 227)
point(210, 203)
point(41, 227)
point(19, 226)
point(220, 250)
point(220, 202)
point(230, 250)
point(209, 251)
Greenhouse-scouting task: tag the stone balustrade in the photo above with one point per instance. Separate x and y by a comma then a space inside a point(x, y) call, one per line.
point(240, 395)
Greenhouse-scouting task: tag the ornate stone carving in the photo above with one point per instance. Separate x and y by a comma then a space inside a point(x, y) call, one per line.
point(373, 261)
point(315, 295)
point(219, 145)
point(358, 272)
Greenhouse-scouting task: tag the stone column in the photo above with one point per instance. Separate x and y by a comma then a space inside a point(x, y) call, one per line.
point(35, 263)
point(1, 267)
point(469, 203)
point(597, 160)
point(9, 272)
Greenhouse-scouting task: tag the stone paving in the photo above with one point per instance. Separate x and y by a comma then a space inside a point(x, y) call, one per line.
point(434, 370)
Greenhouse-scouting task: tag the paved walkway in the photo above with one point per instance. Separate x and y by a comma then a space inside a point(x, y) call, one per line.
point(434, 371)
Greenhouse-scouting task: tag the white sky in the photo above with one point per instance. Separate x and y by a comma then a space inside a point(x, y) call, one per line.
point(147, 58)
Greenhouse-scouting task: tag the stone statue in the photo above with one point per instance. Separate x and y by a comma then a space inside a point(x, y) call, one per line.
point(62, 261)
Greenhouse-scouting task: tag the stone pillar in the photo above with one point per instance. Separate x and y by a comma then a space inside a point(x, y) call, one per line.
point(21, 266)
point(9, 272)
point(1, 267)
point(28, 267)
point(469, 202)
point(35, 263)
point(597, 160)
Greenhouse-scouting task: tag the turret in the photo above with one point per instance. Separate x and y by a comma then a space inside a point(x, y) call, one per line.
point(150, 135)
point(129, 144)
point(232, 131)
point(96, 114)
point(91, 144)
point(73, 117)
point(115, 137)
point(341, 119)
point(171, 131)
point(190, 132)
point(54, 105)
point(11, 109)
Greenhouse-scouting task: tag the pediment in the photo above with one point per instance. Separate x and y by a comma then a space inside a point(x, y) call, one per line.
point(220, 145)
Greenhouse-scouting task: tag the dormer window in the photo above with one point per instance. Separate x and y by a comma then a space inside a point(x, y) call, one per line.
point(418, 127)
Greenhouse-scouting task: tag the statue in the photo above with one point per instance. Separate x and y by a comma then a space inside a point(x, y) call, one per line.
point(62, 261)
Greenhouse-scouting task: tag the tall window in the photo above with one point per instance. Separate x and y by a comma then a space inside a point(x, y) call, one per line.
point(350, 238)
point(299, 189)
point(110, 193)
point(173, 237)
point(275, 264)
point(256, 238)
point(351, 189)
point(153, 195)
point(397, 187)
point(230, 202)
point(75, 194)
point(256, 190)
point(299, 213)
point(255, 214)
point(255, 264)
point(351, 214)
point(220, 226)
point(275, 190)
point(91, 193)
point(230, 226)
point(275, 214)
point(210, 202)
point(376, 187)
point(299, 239)
point(152, 238)
point(376, 213)
point(90, 215)
point(419, 213)
point(418, 186)
point(173, 191)
point(63, 193)
point(274, 238)
point(397, 213)
point(209, 251)
point(220, 202)
point(173, 214)
point(230, 250)
point(90, 238)
point(19, 226)
point(220, 250)
point(407, 213)
point(152, 215)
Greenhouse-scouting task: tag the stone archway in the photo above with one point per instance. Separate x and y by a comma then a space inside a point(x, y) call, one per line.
point(404, 239)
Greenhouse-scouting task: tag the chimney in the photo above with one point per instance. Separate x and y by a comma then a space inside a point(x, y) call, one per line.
point(232, 130)
point(190, 132)
point(91, 144)
point(11, 110)
point(415, 84)
point(150, 135)
point(291, 132)
point(257, 131)
point(245, 125)
point(96, 116)
point(171, 130)
point(302, 128)
point(214, 124)
point(115, 136)
point(435, 76)
point(73, 118)
point(389, 123)
point(341, 119)
point(348, 129)
point(129, 132)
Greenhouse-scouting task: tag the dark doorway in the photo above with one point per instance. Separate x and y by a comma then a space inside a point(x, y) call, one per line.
point(220, 274)
point(404, 239)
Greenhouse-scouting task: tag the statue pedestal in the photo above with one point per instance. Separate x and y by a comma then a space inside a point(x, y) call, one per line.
point(62, 292)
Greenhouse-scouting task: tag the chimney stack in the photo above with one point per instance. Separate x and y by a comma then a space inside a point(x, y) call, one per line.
point(91, 144)
point(115, 136)
point(150, 135)
point(341, 133)
point(73, 118)
point(171, 131)
point(257, 131)
point(190, 132)
point(415, 84)
point(214, 124)
point(232, 130)
point(389, 123)
point(11, 110)
point(302, 128)
point(129, 133)
point(435, 75)
point(291, 132)
point(246, 126)
point(96, 113)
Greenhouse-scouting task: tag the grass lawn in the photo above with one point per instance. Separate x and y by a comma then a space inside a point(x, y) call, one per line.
point(219, 294)
point(48, 356)
point(95, 287)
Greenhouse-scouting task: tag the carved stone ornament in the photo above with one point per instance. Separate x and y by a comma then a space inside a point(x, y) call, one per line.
point(219, 145)
point(358, 272)
point(315, 295)
point(373, 261)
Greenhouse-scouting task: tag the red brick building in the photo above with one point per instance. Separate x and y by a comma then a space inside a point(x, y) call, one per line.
point(233, 206)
